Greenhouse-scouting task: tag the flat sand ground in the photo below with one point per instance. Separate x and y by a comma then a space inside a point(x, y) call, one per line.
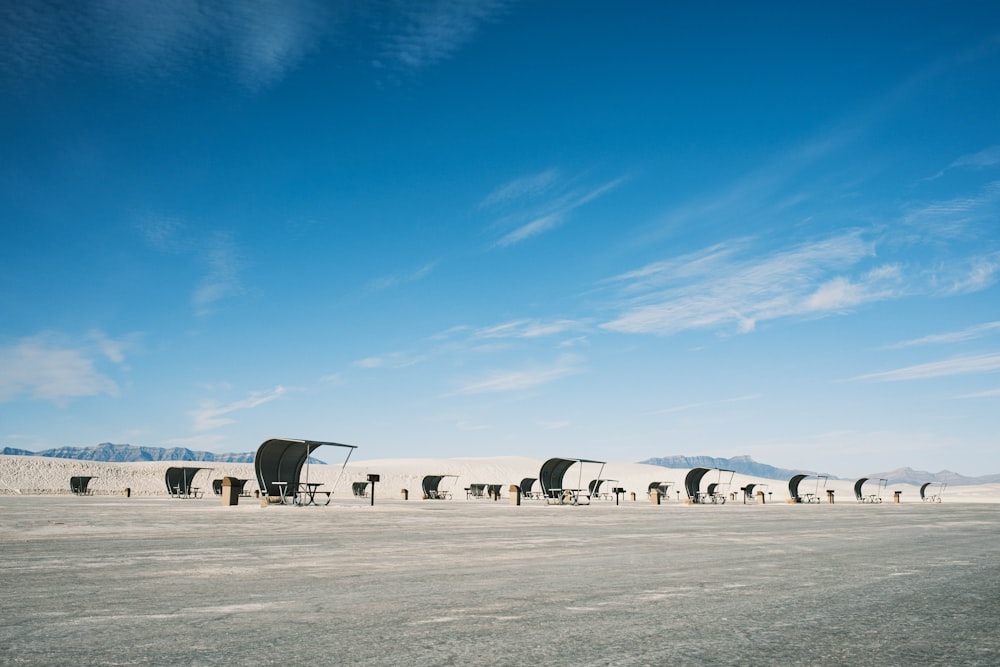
point(110, 580)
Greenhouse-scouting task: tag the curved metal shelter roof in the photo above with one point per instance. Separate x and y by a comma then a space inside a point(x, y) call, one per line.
point(430, 483)
point(282, 459)
point(857, 487)
point(554, 470)
point(595, 485)
point(78, 484)
point(526, 484)
point(179, 479)
point(923, 490)
point(793, 485)
point(692, 481)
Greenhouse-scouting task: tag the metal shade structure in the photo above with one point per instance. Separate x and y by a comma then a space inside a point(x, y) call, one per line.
point(179, 480)
point(526, 485)
point(660, 488)
point(796, 481)
point(928, 497)
point(596, 484)
point(283, 459)
point(872, 497)
point(78, 485)
point(430, 485)
point(552, 474)
point(692, 482)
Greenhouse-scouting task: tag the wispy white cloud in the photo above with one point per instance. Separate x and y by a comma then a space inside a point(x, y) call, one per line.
point(983, 363)
point(959, 217)
point(969, 333)
point(222, 280)
point(988, 157)
point(527, 329)
point(258, 42)
point(723, 286)
point(426, 33)
point(394, 279)
point(989, 393)
point(552, 214)
point(498, 381)
point(50, 367)
point(525, 188)
point(211, 416)
point(393, 360)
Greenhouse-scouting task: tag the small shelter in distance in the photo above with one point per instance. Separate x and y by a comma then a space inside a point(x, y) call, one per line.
point(78, 485)
point(928, 497)
point(526, 485)
point(796, 481)
point(431, 486)
point(180, 480)
point(871, 497)
point(716, 491)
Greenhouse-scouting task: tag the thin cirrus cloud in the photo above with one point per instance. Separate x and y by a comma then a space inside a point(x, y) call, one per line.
point(724, 286)
point(527, 329)
point(982, 363)
point(426, 33)
point(210, 416)
point(394, 279)
point(987, 157)
point(48, 367)
point(258, 42)
point(539, 203)
point(500, 381)
point(969, 333)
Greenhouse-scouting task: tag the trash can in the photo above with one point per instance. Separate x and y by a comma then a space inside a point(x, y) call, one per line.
point(829, 496)
point(405, 493)
point(515, 494)
point(895, 496)
point(654, 497)
point(128, 492)
point(230, 492)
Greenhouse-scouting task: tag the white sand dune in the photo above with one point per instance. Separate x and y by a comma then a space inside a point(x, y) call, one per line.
point(48, 476)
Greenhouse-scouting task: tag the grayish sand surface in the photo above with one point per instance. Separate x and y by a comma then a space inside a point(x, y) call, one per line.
point(116, 581)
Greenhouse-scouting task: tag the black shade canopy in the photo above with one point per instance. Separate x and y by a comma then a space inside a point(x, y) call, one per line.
point(430, 484)
point(793, 485)
point(526, 484)
point(692, 481)
point(179, 479)
point(281, 460)
point(78, 485)
point(552, 473)
point(857, 487)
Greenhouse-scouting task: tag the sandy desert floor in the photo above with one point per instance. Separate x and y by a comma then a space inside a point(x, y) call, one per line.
point(108, 580)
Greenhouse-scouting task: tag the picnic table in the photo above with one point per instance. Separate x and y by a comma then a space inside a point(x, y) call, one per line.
point(306, 493)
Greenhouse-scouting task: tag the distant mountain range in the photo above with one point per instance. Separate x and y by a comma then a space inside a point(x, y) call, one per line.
point(130, 453)
point(744, 465)
point(741, 464)
point(747, 466)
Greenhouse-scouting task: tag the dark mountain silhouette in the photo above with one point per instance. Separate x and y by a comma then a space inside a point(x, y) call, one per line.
point(747, 466)
point(109, 452)
point(911, 476)
point(741, 464)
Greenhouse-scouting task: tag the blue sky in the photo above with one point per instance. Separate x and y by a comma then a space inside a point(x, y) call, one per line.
point(483, 228)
